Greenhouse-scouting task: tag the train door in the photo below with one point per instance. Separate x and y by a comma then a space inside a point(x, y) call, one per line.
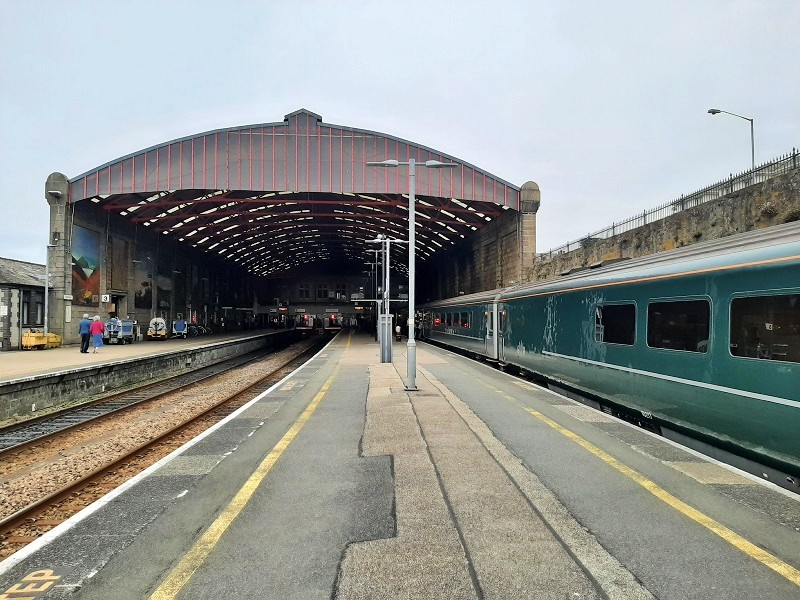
point(501, 329)
point(491, 319)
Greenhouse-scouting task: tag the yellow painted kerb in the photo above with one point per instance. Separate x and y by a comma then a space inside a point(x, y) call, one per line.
point(734, 539)
point(180, 576)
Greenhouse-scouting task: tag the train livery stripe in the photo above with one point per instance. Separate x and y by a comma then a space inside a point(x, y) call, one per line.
point(700, 384)
point(734, 539)
point(180, 576)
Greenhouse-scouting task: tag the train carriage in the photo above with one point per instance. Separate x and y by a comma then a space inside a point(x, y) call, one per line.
point(466, 322)
point(332, 322)
point(307, 323)
point(701, 344)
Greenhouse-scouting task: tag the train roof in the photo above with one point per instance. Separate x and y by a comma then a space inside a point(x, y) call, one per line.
point(751, 247)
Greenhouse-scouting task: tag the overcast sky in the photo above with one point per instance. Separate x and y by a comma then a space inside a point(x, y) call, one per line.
point(603, 104)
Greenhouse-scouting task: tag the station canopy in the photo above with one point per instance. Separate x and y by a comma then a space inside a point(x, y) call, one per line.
point(277, 197)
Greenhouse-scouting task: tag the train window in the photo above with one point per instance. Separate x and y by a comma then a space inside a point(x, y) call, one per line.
point(679, 325)
point(449, 322)
point(465, 319)
point(766, 327)
point(615, 324)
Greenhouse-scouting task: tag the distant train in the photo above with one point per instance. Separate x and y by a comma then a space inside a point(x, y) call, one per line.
point(700, 344)
point(327, 322)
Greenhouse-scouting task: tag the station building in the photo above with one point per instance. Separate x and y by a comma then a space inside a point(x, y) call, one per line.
point(235, 227)
point(21, 301)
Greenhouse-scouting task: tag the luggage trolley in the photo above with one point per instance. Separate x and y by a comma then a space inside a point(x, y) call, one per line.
point(120, 331)
point(180, 328)
point(112, 330)
point(157, 330)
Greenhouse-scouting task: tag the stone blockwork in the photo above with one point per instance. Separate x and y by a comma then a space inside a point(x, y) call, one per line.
point(20, 398)
point(486, 260)
point(495, 256)
point(772, 202)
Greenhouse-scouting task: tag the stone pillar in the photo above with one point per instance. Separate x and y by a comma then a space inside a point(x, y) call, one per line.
point(530, 199)
point(56, 192)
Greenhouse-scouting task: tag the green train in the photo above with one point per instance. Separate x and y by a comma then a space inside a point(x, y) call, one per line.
point(700, 344)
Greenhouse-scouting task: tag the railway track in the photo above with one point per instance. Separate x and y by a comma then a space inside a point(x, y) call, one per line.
point(52, 507)
point(37, 429)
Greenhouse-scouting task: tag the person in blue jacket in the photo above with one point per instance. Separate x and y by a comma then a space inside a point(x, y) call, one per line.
point(83, 329)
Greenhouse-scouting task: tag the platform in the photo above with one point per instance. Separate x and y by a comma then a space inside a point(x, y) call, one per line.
point(25, 363)
point(39, 381)
point(338, 483)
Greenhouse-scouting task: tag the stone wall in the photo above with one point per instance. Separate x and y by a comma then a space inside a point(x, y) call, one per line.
point(9, 319)
point(495, 256)
point(191, 281)
point(22, 397)
point(488, 259)
point(772, 202)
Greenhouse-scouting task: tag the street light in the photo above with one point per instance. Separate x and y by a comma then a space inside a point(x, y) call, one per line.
point(411, 354)
point(384, 329)
point(716, 111)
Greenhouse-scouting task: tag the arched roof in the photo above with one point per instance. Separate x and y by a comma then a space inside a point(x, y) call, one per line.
point(275, 196)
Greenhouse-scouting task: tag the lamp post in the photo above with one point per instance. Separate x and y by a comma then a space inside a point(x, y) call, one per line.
point(411, 354)
point(716, 111)
point(384, 329)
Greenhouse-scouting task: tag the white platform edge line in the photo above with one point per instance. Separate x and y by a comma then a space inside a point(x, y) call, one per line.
point(59, 530)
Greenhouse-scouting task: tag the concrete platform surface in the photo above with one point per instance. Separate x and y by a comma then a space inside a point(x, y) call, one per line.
point(25, 363)
point(337, 483)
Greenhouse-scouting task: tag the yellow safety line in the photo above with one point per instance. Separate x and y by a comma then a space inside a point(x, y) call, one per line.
point(193, 559)
point(734, 539)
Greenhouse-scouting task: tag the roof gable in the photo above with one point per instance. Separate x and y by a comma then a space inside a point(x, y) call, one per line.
point(17, 272)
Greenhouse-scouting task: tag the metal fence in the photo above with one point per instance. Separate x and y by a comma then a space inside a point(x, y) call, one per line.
point(768, 170)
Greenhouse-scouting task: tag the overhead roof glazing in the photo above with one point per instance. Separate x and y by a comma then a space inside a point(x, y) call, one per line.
point(273, 196)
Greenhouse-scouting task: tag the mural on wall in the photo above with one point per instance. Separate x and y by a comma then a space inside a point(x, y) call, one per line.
point(164, 285)
point(118, 259)
point(143, 290)
point(85, 266)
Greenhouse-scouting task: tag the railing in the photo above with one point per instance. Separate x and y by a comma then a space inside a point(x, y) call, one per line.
point(778, 166)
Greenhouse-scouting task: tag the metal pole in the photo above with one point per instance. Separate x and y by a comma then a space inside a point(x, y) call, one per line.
point(752, 146)
point(411, 347)
point(387, 329)
point(379, 304)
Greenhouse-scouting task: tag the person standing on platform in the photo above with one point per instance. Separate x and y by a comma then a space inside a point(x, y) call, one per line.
point(83, 329)
point(96, 329)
